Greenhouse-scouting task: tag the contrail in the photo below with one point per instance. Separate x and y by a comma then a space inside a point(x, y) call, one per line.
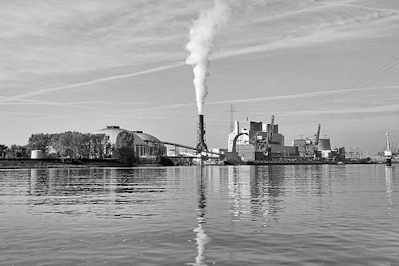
point(91, 82)
point(323, 6)
point(79, 104)
point(365, 110)
point(299, 95)
point(349, 4)
point(266, 98)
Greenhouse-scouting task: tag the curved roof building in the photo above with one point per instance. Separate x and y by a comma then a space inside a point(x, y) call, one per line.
point(111, 132)
point(146, 137)
point(145, 146)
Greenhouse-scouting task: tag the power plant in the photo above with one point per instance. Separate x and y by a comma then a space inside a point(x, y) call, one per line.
point(258, 142)
point(262, 142)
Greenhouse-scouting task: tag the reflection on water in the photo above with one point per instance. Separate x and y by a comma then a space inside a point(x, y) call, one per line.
point(252, 191)
point(266, 190)
point(84, 181)
point(237, 215)
point(388, 184)
point(201, 237)
point(61, 188)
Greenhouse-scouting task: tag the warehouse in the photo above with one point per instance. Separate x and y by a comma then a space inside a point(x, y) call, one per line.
point(143, 146)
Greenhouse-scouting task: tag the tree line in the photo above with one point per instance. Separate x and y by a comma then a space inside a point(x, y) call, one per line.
point(69, 144)
point(14, 151)
point(76, 145)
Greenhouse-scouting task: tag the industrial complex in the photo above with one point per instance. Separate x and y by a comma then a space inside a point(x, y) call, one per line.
point(261, 142)
point(249, 142)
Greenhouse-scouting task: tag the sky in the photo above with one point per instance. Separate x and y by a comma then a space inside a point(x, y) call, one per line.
point(82, 65)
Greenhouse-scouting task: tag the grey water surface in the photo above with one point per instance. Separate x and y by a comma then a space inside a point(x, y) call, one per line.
point(215, 215)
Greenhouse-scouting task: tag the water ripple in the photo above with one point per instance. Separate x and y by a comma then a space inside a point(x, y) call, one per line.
point(278, 215)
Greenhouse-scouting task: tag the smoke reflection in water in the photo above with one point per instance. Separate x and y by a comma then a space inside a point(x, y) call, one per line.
point(200, 236)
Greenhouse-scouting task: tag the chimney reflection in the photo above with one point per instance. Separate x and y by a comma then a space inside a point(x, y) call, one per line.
point(200, 235)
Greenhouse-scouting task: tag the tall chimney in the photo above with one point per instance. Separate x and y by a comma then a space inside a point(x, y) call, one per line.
point(201, 146)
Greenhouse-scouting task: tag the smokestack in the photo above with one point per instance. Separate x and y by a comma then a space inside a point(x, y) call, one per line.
point(201, 146)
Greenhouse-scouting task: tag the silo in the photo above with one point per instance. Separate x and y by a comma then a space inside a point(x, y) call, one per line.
point(324, 144)
point(37, 154)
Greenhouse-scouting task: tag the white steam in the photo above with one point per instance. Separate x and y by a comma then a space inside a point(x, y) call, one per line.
point(202, 35)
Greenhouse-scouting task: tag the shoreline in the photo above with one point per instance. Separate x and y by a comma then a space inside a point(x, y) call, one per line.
point(24, 163)
point(87, 163)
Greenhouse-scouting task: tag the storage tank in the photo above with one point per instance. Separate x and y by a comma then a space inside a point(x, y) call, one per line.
point(37, 154)
point(324, 144)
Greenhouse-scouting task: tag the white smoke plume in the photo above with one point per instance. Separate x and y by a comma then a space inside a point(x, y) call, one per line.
point(202, 35)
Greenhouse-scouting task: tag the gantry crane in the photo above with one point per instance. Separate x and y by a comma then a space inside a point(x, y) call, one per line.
point(388, 152)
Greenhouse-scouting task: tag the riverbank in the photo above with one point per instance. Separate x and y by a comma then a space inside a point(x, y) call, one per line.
point(304, 162)
point(311, 163)
point(58, 163)
point(85, 163)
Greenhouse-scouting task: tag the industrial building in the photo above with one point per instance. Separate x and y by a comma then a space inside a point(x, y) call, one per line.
point(111, 142)
point(242, 135)
point(318, 148)
point(259, 142)
point(146, 148)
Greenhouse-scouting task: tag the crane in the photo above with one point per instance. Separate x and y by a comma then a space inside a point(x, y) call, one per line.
point(316, 142)
point(317, 136)
point(388, 151)
point(270, 132)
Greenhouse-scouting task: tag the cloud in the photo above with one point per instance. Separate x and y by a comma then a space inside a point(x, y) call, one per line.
point(52, 37)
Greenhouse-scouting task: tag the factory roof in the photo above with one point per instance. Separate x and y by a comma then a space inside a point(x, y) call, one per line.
point(146, 137)
point(140, 137)
point(112, 132)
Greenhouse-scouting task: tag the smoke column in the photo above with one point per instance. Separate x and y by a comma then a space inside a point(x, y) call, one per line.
point(202, 35)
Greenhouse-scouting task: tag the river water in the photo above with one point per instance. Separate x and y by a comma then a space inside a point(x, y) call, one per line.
point(246, 215)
